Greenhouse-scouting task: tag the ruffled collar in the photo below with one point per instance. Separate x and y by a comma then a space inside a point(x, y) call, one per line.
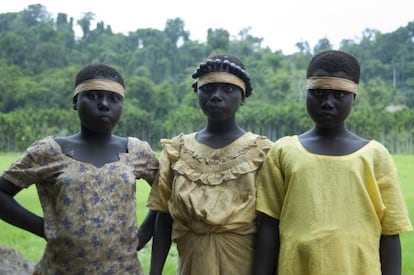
point(206, 165)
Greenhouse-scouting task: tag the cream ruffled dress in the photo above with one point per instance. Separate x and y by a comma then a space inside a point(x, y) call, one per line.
point(211, 195)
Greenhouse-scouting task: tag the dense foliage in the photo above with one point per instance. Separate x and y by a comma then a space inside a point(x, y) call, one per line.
point(40, 55)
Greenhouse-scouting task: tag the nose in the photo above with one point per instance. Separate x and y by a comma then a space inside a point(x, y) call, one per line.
point(216, 94)
point(327, 101)
point(103, 103)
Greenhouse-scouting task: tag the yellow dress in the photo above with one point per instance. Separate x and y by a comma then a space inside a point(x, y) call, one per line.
point(210, 194)
point(332, 209)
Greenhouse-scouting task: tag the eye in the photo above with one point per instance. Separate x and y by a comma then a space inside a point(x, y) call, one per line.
point(116, 97)
point(317, 93)
point(208, 88)
point(339, 94)
point(92, 95)
point(228, 88)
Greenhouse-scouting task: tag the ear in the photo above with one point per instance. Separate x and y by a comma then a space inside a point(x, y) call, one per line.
point(75, 103)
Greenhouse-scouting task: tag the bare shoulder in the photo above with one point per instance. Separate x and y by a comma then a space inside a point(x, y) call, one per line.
point(68, 143)
point(67, 140)
point(120, 141)
point(356, 140)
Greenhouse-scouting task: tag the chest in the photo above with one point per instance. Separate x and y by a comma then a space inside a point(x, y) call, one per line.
point(93, 153)
point(332, 147)
point(97, 155)
point(85, 182)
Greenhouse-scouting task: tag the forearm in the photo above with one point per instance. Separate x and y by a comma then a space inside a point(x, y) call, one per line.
point(390, 255)
point(146, 229)
point(13, 213)
point(161, 243)
point(267, 246)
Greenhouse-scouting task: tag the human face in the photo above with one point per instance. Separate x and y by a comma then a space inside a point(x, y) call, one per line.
point(329, 108)
point(220, 101)
point(99, 111)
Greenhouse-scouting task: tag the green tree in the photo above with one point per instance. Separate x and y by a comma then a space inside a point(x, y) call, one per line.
point(85, 23)
point(218, 39)
point(322, 45)
point(8, 88)
point(174, 30)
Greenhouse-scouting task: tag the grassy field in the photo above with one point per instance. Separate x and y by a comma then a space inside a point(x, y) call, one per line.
point(31, 246)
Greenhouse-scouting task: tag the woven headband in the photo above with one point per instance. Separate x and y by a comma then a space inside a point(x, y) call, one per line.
point(221, 77)
point(100, 85)
point(331, 83)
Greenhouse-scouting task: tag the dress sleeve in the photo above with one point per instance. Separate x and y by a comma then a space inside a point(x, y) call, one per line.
point(270, 185)
point(395, 217)
point(27, 169)
point(160, 193)
point(145, 161)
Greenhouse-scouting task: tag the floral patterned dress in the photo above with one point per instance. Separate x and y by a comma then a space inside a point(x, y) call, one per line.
point(89, 212)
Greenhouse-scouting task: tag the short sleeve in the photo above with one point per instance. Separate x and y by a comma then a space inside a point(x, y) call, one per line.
point(395, 218)
point(160, 193)
point(145, 161)
point(37, 160)
point(270, 186)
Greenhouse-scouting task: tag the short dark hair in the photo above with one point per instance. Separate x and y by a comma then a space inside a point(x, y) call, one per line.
point(333, 61)
point(224, 63)
point(98, 71)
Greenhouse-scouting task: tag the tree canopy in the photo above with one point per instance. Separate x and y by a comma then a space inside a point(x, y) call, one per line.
point(40, 55)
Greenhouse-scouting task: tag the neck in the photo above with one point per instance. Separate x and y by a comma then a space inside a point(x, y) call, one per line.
point(330, 132)
point(222, 127)
point(95, 137)
point(218, 134)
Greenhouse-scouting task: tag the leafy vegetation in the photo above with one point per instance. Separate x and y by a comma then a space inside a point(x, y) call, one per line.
point(40, 55)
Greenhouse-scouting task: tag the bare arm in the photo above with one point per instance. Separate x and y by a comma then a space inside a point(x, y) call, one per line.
point(161, 242)
point(13, 213)
point(390, 255)
point(267, 246)
point(146, 229)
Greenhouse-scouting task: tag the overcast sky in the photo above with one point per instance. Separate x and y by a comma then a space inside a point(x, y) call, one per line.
point(281, 23)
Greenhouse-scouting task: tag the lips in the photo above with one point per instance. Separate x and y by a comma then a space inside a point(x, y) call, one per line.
point(105, 118)
point(214, 104)
point(326, 113)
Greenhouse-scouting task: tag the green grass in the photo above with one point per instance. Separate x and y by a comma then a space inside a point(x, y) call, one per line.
point(405, 165)
point(32, 247)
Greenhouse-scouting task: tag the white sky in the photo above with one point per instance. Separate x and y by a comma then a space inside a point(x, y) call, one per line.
point(280, 23)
